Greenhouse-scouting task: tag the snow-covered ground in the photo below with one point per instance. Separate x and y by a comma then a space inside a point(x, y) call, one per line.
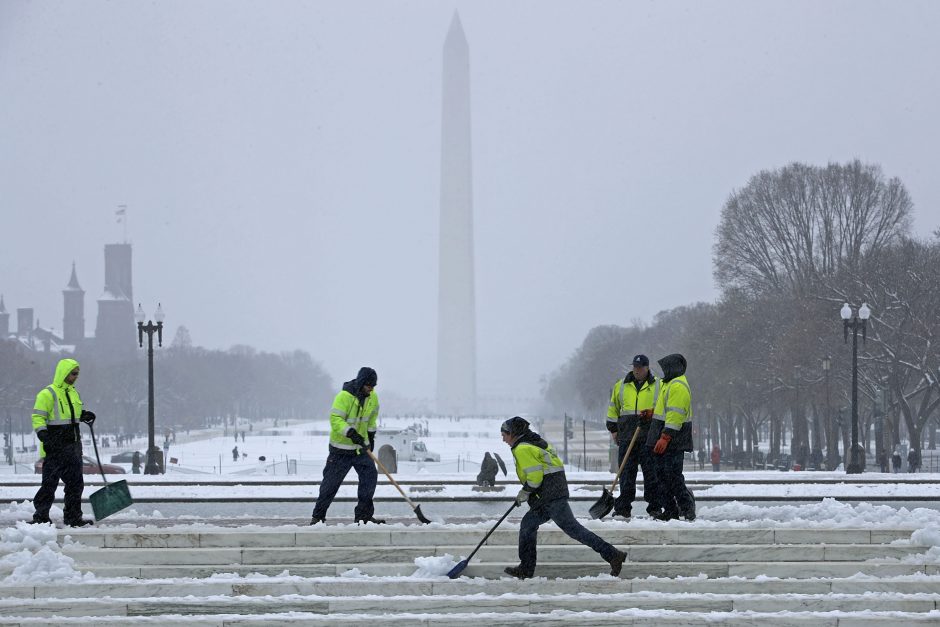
point(33, 555)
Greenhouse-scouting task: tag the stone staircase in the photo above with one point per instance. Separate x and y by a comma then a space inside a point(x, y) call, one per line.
point(676, 574)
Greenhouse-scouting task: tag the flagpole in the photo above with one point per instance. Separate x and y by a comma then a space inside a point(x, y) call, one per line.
point(122, 212)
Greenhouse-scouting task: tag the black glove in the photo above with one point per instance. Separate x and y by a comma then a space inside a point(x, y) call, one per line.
point(353, 435)
point(88, 417)
point(372, 441)
point(41, 435)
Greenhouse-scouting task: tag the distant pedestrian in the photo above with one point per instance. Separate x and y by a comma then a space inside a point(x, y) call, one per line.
point(896, 459)
point(716, 458)
point(883, 461)
point(353, 418)
point(701, 458)
point(235, 454)
point(545, 489)
point(135, 463)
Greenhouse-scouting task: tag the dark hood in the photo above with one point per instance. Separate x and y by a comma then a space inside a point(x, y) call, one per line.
point(366, 376)
point(531, 437)
point(673, 366)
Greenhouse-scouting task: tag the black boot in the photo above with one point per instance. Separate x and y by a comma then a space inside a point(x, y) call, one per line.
point(40, 520)
point(517, 572)
point(316, 519)
point(616, 563)
point(370, 519)
point(80, 522)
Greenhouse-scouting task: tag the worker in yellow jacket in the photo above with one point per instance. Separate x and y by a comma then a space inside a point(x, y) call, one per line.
point(56, 414)
point(670, 438)
point(353, 424)
point(545, 489)
point(632, 400)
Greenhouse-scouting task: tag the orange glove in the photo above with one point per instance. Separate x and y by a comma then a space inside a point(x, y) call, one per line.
point(662, 443)
point(646, 414)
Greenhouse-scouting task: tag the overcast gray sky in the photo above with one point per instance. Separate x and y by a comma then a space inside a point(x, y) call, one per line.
point(280, 160)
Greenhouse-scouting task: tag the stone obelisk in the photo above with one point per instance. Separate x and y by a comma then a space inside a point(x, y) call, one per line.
point(456, 334)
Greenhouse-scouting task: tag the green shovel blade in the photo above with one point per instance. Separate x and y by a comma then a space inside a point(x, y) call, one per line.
point(110, 499)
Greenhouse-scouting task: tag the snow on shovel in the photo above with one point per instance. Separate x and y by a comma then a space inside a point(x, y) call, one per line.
point(606, 502)
point(113, 497)
point(462, 564)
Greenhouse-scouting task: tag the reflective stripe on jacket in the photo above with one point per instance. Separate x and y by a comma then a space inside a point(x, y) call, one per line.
point(674, 413)
point(626, 402)
point(57, 409)
point(346, 413)
point(540, 471)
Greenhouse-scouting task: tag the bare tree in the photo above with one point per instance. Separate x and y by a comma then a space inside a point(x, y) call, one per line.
point(788, 228)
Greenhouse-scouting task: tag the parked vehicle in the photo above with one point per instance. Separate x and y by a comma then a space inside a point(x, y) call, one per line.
point(127, 457)
point(89, 467)
point(407, 447)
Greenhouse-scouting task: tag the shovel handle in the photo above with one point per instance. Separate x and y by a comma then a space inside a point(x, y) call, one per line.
point(388, 474)
point(97, 457)
point(623, 462)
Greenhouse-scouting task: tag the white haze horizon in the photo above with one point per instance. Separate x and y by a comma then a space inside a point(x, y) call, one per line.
point(280, 163)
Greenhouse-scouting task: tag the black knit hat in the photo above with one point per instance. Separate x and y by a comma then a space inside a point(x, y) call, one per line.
point(515, 426)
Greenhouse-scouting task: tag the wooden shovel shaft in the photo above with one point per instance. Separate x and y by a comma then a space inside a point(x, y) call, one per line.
point(623, 462)
point(390, 478)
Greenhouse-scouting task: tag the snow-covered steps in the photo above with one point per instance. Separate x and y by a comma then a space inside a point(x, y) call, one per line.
point(557, 618)
point(534, 601)
point(676, 574)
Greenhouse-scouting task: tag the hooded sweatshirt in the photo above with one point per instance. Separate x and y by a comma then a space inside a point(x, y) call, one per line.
point(353, 408)
point(57, 410)
point(673, 412)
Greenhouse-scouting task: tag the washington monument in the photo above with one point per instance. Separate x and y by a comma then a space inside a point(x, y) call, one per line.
point(456, 334)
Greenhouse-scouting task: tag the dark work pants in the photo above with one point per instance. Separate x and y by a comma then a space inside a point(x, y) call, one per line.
point(559, 512)
point(65, 463)
point(640, 457)
point(671, 489)
point(335, 470)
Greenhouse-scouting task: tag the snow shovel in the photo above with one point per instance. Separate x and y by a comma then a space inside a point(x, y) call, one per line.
point(416, 508)
point(113, 497)
point(462, 564)
point(606, 502)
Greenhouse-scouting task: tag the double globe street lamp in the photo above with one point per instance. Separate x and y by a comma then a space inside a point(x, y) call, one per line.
point(855, 322)
point(153, 467)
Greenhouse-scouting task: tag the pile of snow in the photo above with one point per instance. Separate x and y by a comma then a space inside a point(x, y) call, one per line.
point(30, 554)
point(437, 566)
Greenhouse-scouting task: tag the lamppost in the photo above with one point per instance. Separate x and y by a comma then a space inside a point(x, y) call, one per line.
point(708, 422)
point(152, 467)
point(832, 439)
point(856, 322)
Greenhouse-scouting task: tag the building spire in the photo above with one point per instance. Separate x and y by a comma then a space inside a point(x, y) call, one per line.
point(73, 282)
